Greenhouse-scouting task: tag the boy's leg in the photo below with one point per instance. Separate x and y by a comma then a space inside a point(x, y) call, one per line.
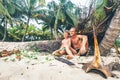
point(73, 51)
point(69, 52)
point(62, 52)
point(56, 53)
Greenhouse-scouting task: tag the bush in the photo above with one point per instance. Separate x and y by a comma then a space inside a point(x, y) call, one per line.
point(16, 33)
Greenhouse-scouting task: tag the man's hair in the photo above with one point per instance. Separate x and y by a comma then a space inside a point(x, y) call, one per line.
point(75, 29)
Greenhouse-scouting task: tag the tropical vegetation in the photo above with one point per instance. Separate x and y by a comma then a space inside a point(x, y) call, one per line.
point(53, 18)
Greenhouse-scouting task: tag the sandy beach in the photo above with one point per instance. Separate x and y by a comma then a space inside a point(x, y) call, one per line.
point(46, 67)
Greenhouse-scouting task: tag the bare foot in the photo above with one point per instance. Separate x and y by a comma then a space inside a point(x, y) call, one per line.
point(69, 56)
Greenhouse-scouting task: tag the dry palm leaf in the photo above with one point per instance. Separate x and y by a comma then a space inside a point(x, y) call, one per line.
point(96, 64)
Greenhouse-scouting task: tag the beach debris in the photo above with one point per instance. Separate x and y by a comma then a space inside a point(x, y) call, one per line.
point(6, 53)
point(96, 63)
point(114, 66)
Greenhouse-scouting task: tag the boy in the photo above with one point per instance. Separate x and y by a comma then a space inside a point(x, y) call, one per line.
point(65, 46)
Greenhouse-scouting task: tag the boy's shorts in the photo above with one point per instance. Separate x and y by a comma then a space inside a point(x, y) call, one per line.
point(63, 48)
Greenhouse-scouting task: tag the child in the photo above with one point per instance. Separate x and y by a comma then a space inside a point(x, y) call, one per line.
point(66, 43)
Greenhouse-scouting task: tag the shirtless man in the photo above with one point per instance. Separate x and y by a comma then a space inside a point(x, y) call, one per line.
point(65, 46)
point(78, 42)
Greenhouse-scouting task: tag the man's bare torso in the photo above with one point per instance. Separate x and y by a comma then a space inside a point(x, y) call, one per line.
point(76, 42)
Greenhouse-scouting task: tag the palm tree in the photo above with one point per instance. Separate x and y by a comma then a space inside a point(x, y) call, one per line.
point(59, 16)
point(106, 20)
point(47, 17)
point(113, 30)
point(27, 9)
point(66, 14)
point(5, 7)
point(105, 17)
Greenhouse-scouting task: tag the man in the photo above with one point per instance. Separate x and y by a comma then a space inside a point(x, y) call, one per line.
point(79, 43)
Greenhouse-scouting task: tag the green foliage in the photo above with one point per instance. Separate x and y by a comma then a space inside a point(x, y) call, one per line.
point(29, 54)
point(117, 42)
point(42, 2)
point(27, 8)
point(63, 16)
point(56, 17)
point(9, 6)
point(99, 13)
point(4, 11)
point(73, 18)
point(5, 59)
point(15, 33)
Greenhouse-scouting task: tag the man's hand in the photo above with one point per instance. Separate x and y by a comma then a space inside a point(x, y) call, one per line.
point(82, 50)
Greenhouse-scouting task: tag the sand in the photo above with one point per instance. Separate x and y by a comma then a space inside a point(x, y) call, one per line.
point(43, 66)
point(46, 67)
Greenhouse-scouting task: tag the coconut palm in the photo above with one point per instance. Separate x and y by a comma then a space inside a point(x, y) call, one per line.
point(60, 16)
point(57, 21)
point(107, 22)
point(47, 17)
point(26, 10)
point(113, 30)
point(6, 9)
point(66, 14)
point(105, 17)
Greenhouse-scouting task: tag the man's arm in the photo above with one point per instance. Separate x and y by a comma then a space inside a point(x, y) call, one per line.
point(84, 44)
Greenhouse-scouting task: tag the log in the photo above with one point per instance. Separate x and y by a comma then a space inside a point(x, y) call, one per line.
point(41, 46)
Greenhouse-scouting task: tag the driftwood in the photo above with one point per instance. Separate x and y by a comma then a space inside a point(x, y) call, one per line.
point(41, 46)
point(114, 66)
point(6, 53)
point(96, 64)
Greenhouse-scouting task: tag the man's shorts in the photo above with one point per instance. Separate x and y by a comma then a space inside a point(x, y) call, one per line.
point(77, 50)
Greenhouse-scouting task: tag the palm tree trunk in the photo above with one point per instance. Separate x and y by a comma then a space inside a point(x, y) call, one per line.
point(23, 38)
point(111, 34)
point(56, 22)
point(51, 31)
point(5, 30)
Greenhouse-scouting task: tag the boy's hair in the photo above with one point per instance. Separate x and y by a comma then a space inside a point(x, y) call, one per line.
point(67, 31)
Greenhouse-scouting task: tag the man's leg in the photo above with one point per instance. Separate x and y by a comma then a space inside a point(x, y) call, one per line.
point(83, 49)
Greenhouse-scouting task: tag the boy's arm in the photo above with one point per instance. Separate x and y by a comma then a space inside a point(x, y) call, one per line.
point(59, 48)
point(69, 42)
